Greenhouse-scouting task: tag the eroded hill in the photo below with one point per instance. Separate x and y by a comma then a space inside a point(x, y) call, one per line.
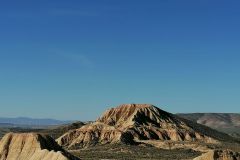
point(131, 123)
point(31, 146)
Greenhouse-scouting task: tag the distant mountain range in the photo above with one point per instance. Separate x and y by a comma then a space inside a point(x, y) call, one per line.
point(24, 121)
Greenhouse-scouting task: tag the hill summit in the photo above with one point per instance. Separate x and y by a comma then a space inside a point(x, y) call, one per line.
point(130, 123)
point(31, 146)
point(139, 114)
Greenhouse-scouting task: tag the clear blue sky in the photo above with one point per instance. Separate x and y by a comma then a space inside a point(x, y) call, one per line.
point(73, 59)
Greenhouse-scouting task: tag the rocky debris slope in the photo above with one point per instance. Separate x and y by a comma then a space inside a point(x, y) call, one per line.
point(31, 146)
point(219, 155)
point(132, 122)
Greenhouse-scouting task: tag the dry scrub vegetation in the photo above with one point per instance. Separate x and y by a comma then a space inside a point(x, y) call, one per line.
point(127, 152)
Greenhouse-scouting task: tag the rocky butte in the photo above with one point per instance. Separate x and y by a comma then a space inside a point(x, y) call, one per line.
point(131, 123)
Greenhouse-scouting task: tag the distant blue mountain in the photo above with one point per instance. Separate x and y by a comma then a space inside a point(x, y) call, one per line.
point(31, 121)
point(6, 125)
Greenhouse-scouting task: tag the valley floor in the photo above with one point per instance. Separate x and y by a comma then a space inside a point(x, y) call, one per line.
point(126, 152)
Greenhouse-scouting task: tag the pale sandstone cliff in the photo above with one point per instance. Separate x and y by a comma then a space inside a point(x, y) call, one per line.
point(31, 146)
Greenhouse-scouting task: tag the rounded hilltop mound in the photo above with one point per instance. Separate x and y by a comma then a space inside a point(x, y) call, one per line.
point(31, 146)
point(130, 123)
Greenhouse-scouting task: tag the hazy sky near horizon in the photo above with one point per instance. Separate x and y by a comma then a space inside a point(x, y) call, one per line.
point(74, 59)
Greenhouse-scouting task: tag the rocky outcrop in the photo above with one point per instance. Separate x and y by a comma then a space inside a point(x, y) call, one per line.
point(31, 146)
point(219, 155)
point(133, 122)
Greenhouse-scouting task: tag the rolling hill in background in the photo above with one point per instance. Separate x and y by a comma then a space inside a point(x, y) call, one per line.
point(224, 122)
point(53, 131)
point(24, 124)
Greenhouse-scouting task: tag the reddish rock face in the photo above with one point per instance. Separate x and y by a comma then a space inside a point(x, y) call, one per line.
point(30, 146)
point(141, 121)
